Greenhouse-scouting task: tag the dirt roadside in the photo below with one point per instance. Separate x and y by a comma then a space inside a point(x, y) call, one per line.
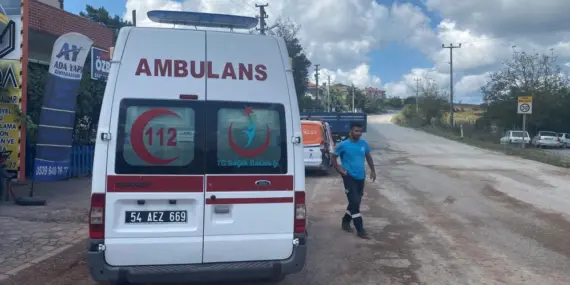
point(67, 268)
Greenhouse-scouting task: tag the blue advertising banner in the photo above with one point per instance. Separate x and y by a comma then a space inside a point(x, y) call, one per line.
point(57, 117)
point(100, 64)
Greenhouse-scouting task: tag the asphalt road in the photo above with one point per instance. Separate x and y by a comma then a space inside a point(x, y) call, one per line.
point(440, 213)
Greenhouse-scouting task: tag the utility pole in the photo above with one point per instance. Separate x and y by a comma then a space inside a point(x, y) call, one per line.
point(451, 47)
point(353, 110)
point(417, 80)
point(328, 93)
point(317, 81)
point(134, 13)
point(262, 16)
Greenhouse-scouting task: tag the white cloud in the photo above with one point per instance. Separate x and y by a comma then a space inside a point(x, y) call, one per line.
point(359, 76)
point(506, 18)
point(471, 83)
point(407, 85)
point(477, 50)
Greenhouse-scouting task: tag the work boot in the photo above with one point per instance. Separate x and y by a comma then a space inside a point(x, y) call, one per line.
point(363, 235)
point(346, 227)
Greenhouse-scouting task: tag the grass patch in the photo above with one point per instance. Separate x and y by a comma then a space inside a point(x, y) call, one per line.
point(465, 113)
point(515, 150)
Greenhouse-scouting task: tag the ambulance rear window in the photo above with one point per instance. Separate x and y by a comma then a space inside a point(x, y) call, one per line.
point(158, 137)
point(246, 138)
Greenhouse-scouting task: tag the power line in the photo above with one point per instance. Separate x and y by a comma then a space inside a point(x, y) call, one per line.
point(451, 47)
point(247, 5)
point(262, 16)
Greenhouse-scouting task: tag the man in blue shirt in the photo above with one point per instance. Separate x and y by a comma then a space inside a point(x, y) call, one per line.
point(352, 153)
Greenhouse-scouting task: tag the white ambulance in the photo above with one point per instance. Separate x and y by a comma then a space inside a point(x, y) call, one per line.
point(198, 172)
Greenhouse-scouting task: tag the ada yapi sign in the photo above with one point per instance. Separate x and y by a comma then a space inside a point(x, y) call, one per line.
point(65, 64)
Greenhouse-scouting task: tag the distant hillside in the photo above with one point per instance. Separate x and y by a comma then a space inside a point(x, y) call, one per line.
point(467, 112)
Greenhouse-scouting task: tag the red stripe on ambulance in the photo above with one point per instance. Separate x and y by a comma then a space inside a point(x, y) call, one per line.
point(155, 183)
point(270, 200)
point(229, 183)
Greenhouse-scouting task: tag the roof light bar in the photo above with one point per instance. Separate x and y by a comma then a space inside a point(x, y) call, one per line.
point(202, 19)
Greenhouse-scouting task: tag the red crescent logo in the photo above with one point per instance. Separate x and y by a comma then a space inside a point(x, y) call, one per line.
point(137, 136)
point(249, 152)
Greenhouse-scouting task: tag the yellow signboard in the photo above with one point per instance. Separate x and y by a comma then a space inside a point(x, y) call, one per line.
point(10, 95)
point(525, 99)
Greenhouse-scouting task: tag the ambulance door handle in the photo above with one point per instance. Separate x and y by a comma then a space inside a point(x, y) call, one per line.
point(263, 183)
point(221, 209)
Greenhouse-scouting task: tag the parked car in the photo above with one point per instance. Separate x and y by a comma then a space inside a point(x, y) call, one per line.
point(339, 122)
point(546, 139)
point(515, 137)
point(564, 139)
point(318, 145)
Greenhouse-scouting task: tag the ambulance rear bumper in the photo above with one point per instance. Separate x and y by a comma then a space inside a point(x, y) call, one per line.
point(209, 272)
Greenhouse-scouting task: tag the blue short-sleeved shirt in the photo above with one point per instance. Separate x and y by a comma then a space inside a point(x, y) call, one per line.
point(352, 156)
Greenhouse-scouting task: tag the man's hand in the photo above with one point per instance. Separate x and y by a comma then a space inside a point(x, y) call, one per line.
point(371, 165)
point(341, 171)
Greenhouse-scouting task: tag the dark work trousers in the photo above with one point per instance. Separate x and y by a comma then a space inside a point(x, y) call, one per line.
point(354, 189)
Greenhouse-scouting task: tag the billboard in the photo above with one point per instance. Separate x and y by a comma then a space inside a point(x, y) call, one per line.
point(11, 81)
point(100, 64)
point(57, 117)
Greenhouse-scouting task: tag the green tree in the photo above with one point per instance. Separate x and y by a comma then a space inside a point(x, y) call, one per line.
point(536, 75)
point(394, 102)
point(287, 29)
point(37, 75)
point(411, 100)
point(102, 16)
point(367, 104)
point(432, 104)
point(338, 100)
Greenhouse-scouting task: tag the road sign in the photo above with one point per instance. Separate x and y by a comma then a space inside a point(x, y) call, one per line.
point(524, 105)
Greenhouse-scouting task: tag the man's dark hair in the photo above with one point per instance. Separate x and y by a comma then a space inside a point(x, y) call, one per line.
point(355, 125)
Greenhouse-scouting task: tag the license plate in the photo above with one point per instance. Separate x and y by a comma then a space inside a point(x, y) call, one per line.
point(155, 217)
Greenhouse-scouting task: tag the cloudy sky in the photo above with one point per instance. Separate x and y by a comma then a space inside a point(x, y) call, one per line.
point(389, 43)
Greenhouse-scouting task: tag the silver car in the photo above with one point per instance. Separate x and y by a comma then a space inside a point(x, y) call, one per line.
point(546, 139)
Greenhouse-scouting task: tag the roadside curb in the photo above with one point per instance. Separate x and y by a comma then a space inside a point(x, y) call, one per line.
point(6, 277)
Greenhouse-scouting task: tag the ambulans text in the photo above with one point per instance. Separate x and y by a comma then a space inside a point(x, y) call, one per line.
point(198, 69)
